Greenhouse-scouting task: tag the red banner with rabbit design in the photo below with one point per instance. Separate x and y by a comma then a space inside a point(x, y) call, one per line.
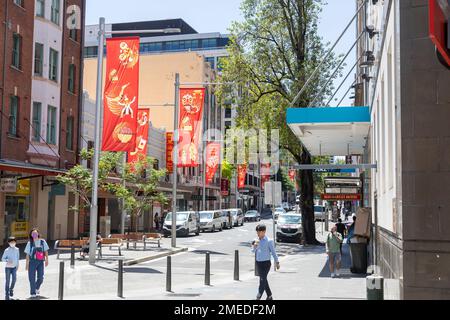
point(120, 110)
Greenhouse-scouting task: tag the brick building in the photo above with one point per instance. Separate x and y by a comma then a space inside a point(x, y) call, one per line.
point(41, 92)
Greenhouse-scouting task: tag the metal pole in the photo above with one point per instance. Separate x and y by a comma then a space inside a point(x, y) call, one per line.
point(124, 212)
point(120, 280)
point(169, 274)
point(97, 141)
point(175, 161)
point(61, 281)
point(72, 255)
point(208, 270)
point(236, 265)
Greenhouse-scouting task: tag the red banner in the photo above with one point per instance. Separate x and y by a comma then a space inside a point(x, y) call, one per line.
point(190, 121)
point(121, 94)
point(140, 151)
point(225, 187)
point(265, 174)
point(242, 174)
point(292, 175)
point(169, 152)
point(212, 161)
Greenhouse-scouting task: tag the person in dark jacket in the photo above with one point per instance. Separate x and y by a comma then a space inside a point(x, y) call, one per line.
point(340, 227)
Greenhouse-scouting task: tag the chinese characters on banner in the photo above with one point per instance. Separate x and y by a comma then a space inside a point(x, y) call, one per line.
point(140, 151)
point(242, 174)
point(121, 94)
point(169, 152)
point(225, 187)
point(191, 112)
point(212, 160)
point(292, 175)
point(265, 175)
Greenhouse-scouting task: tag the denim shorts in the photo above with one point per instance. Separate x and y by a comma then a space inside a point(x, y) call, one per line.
point(336, 256)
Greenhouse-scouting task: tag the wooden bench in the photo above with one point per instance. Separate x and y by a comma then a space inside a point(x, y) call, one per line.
point(152, 238)
point(112, 242)
point(66, 245)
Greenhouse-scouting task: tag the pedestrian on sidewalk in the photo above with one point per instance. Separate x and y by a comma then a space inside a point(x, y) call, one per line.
point(37, 257)
point(264, 249)
point(341, 229)
point(334, 240)
point(156, 221)
point(11, 256)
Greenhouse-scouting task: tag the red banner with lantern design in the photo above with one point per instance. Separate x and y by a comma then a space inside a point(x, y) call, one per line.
point(121, 94)
point(141, 146)
point(212, 161)
point(190, 122)
point(242, 174)
point(169, 152)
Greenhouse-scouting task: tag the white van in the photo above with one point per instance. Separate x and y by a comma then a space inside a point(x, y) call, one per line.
point(211, 221)
point(187, 223)
point(238, 217)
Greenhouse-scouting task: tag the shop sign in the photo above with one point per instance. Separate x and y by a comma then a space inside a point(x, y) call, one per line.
point(20, 229)
point(225, 187)
point(8, 185)
point(345, 197)
point(23, 187)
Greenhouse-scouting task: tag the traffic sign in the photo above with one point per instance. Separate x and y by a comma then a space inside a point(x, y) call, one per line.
point(272, 193)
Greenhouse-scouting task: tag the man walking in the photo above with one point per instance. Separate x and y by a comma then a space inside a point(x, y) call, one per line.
point(341, 230)
point(264, 249)
point(334, 240)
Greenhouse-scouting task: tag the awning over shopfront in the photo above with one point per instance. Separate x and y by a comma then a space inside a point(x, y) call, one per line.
point(22, 167)
point(331, 131)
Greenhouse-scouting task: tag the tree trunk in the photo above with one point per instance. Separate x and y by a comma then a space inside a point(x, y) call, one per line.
point(307, 201)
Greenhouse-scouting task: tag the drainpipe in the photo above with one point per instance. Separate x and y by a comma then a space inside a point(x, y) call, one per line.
point(6, 23)
point(80, 84)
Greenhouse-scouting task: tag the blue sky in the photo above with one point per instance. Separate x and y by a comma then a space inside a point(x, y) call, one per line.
point(216, 16)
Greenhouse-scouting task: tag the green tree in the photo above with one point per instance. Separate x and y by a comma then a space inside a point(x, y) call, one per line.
point(271, 55)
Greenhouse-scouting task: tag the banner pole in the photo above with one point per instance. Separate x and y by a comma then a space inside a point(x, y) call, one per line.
point(97, 141)
point(175, 161)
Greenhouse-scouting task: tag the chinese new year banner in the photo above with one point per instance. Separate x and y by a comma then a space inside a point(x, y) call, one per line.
point(242, 174)
point(265, 174)
point(292, 175)
point(212, 160)
point(191, 112)
point(140, 151)
point(121, 94)
point(169, 151)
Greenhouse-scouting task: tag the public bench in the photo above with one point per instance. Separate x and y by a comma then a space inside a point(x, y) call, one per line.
point(152, 238)
point(66, 245)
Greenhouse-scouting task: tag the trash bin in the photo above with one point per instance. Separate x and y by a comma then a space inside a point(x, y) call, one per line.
point(359, 256)
point(375, 287)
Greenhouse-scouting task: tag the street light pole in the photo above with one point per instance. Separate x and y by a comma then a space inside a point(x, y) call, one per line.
point(97, 140)
point(175, 161)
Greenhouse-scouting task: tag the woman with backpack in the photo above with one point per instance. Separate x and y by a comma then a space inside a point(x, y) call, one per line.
point(37, 257)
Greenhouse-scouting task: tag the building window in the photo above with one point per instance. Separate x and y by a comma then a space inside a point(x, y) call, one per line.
point(55, 11)
point(69, 133)
point(17, 46)
point(227, 112)
point(73, 34)
point(38, 59)
point(13, 115)
point(53, 70)
point(90, 52)
point(19, 2)
point(72, 78)
point(37, 112)
point(51, 125)
point(209, 43)
point(40, 8)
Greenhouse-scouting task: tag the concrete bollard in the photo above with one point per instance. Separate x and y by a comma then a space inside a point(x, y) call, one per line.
point(72, 255)
point(169, 274)
point(120, 280)
point(61, 281)
point(236, 265)
point(208, 270)
point(375, 287)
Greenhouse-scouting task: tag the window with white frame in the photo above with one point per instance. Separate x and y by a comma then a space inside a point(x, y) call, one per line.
point(51, 125)
point(40, 8)
point(55, 12)
point(53, 68)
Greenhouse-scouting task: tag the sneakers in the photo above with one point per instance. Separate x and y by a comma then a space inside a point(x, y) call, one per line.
point(38, 293)
point(338, 274)
point(269, 298)
point(33, 296)
point(258, 297)
point(333, 275)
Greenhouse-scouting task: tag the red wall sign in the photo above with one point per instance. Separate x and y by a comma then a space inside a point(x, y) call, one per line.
point(337, 197)
point(169, 152)
point(121, 94)
point(225, 187)
point(438, 28)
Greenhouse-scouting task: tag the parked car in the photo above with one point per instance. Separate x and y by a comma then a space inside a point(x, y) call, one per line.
point(286, 206)
point(252, 215)
point(289, 228)
point(227, 222)
point(238, 217)
point(211, 221)
point(319, 213)
point(187, 222)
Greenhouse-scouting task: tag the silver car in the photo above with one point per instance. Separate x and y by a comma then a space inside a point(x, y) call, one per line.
point(238, 217)
point(289, 228)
